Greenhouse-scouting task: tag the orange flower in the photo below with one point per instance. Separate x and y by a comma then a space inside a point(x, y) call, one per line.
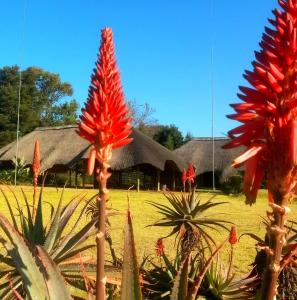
point(160, 247)
point(36, 162)
point(233, 235)
point(105, 120)
point(191, 173)
point(268, 112)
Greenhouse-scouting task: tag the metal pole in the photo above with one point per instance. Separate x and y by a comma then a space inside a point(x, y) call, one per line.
point(212, 96)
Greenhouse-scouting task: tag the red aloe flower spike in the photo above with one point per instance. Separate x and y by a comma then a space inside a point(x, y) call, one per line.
point(191, 174)
point(233, 236)
point(105, 119)
point(106, 124)
point(269, 129)
point(160, 247)
point(36, 170)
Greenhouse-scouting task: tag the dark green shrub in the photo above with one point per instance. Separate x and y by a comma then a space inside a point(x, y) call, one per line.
point(233, 184)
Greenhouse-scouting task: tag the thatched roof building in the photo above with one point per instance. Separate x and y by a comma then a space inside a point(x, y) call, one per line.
point(199, 151)
point(61, 149)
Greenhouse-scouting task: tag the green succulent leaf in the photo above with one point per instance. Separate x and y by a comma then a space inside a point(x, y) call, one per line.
point(180, 284)
point(130, 289)
point(10, 209)
point(38, 231)
point(54, 281)
point(24, 261)
point(54, 228)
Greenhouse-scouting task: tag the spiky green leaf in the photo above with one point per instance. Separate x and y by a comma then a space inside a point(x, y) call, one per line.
point(24, 261)
point(130, 277)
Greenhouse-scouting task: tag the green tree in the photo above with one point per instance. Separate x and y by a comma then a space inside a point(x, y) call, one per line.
point(169, 136)
point(42, 93)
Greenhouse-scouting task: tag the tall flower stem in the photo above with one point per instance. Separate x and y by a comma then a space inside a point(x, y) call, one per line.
point(276, 233)
point(100, 238)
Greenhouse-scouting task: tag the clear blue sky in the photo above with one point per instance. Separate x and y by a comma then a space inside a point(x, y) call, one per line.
point(163, 49)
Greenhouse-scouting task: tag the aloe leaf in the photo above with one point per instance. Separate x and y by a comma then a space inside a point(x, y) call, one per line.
point(198, 280)
point(75, 239)
point(180, 284)
point(130, 289)
point(24, 262)
point(55, 282)
point(29, 216)
point(73, 253)
point(38, 232)
point(253, 236)
point(59, 250)
point(15, 197)
point(78, 293)
point(6, 291)
point(53, 230)
point(10, 209)
point(67, 212)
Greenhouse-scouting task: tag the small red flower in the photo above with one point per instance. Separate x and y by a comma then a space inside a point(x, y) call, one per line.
point(36, 162)
point(105, 120)
point(191, 174)
point(268, 112)
point(160, 247)
point(233, 236)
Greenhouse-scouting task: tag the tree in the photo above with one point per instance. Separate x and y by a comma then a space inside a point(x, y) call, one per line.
point(41, 96)
point(170, 137)
point(188, 137)
point(141, 114)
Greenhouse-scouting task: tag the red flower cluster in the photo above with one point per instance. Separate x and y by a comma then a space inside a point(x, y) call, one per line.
point(36, 163)
point(191, 174)
point(160, 247)
point(105, 120)
point(188, 175)
point(268, 112)
point(233, 235)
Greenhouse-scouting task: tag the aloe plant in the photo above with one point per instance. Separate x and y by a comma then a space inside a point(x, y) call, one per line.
point(38, 276)
point(61, 246)
point(187, 215)
point(220, 284)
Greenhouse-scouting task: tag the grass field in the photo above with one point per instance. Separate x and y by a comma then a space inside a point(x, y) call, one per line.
point(246, 218)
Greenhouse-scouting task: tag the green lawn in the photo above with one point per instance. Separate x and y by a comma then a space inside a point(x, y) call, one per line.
point(246, 218)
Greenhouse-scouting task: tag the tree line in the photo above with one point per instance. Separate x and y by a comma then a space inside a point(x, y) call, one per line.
point(47, 101)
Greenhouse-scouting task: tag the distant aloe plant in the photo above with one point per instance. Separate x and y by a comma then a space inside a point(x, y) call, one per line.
point(187, 215)
point(220, 284)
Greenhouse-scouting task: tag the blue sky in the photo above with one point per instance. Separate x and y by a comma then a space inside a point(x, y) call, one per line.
point(163, 49)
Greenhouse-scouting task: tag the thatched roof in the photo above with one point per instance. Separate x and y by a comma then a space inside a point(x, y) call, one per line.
point(62, 146)
point(198, 151)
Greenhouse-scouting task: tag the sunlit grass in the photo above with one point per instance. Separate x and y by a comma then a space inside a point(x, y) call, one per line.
point(246, 218)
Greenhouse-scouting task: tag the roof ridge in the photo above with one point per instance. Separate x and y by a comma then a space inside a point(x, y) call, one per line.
point(55, 127)
point(209, 138)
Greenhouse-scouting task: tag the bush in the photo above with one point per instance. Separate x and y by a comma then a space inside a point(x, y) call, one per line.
point(233, 184)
